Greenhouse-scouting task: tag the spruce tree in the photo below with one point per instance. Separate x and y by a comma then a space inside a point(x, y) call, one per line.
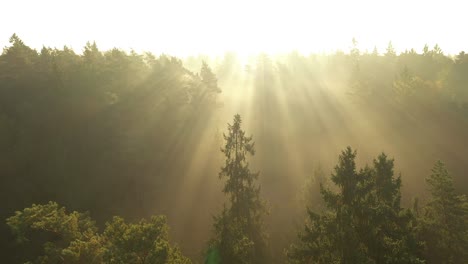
point(208, 78)
point(363, 222)
point(239, 231)
point(332, 236)
point(445, 220)
point(390, 234)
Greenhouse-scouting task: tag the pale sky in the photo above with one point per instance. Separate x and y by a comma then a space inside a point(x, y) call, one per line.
point(182, 28)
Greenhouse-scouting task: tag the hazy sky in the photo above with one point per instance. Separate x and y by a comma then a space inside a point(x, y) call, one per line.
point(212, 26)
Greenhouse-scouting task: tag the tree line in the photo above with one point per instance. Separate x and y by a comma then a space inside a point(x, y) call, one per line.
point(57, 107)
point(111, 132)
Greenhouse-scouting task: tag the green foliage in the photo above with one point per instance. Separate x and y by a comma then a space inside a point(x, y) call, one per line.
point(364, 222)
point(72, 121)
point(212, 256)
point(232, 240)
point(70, 237)
point(406, 85)
point(444, 220)
point(239, 231)
point(143, 242)
point(392, 237)
point(310, 192)
point(457, 81)
point(73, 238)
point(125, 127)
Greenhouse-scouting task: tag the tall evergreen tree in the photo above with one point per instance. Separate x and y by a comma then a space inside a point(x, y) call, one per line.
point(363, 223)
point(331, 237)
point(239, 231)
point(209, 78)
point(390, 50)
point(445, 220)
point(390, 232)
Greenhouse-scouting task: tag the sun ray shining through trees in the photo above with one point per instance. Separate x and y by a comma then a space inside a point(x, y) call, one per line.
point(134, 139)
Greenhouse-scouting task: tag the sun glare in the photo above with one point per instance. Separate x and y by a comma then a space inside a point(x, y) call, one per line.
point(212, 27)
point(225, 120)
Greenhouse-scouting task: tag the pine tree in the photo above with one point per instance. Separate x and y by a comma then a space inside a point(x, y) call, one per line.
point(332, 237)
point(347, 205)
point(209, 78)
point(390, 50)
point(239, 232)
point(390, 231)
point(364, 222)
point(445, 220)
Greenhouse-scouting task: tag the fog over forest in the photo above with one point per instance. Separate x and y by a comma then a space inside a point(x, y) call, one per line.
point(137, 135)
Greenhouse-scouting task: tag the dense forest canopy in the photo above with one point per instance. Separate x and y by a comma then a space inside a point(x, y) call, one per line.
point(138, 136)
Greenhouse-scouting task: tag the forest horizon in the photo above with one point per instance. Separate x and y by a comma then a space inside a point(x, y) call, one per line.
point(267, 158)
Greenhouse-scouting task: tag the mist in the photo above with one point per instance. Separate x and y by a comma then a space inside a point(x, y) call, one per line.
point(132, 134)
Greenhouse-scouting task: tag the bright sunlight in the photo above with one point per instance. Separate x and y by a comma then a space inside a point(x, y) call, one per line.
point(212, 27)
point(233, 132)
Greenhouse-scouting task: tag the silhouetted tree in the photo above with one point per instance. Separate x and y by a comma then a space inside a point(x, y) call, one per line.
point(390, 52)
point(239, 231)
point(444, 220)
point(209, 78)
point(364, 222)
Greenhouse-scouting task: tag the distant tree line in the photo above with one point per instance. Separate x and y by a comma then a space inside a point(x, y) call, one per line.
point(57, 107)
point(103, 131)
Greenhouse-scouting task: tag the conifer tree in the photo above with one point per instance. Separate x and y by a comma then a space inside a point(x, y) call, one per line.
point(445, 220)
point(331, 237)
point(363, 223)
point(239, 231)
point(391, 229)
point(209, 78)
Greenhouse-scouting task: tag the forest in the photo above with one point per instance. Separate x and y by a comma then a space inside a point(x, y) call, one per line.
point(115, 156)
